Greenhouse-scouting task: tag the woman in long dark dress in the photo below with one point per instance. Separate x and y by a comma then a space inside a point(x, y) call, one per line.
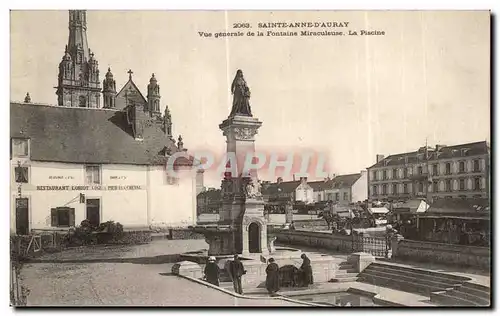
point(306, 270)
point(212, 272)
point(272, 279)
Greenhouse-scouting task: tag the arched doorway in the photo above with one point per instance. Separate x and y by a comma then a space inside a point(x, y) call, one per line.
point(254, 238)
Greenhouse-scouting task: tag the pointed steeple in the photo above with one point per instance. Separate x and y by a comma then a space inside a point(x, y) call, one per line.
point(77, 40)
point(79, 84)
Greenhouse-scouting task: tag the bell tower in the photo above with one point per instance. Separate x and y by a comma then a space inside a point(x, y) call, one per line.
point(109, 91)
point(78, 80)
point(154, 96)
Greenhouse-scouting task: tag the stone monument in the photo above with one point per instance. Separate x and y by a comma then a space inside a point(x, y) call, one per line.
point(242, 226)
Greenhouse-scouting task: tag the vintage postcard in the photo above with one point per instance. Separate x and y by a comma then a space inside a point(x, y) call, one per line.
point(290, 158)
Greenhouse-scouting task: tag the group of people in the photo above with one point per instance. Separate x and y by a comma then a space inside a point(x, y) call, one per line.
point(236, 271)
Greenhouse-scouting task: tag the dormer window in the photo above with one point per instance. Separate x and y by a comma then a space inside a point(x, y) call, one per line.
point(20, 147)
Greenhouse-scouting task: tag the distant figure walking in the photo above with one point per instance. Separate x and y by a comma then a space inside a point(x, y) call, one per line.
point(292, 226)
point(272, 279)
point(237, 271)
point(306, 271)
point(212, 272)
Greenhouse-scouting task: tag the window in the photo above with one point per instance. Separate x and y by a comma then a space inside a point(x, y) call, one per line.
point(395, 173)
point(394, 189)
point(435, 170)
point(420, 170)
point(405, 173)
point(62, 217)
point(476, 165)
point(93, 174)
point(421, 187)
point(477, 183)
point(384, 189)
point(20, 147)
point(330, 197)
point(374, 190)
point(336, 196)
point(462, 184)
point(448, 186)
point(346, 196)
point(384, 175)
point(461, 166)
point(82, 101)
point(405, 188)
point(21, 174)
point(374, 175)
point(435, 186)
point(448, 168)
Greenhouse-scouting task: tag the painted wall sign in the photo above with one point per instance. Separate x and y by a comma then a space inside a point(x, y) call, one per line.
point(117, 177)
point(61, 177)
point(89, 187)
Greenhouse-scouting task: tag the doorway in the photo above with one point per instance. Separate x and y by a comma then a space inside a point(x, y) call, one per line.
point(254, 238)
point(22, 216)
point(93, 207)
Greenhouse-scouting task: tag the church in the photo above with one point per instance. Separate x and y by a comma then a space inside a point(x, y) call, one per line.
point(98, 154)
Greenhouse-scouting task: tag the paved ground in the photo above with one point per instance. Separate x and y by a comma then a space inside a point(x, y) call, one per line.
point(116, 284)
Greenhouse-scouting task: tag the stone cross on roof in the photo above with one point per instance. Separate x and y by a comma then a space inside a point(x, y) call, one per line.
point(130, 72)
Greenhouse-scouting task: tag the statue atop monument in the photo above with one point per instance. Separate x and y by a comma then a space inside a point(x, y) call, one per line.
point(241, 96)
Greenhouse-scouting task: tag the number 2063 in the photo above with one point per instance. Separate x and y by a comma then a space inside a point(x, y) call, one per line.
point(241, 25)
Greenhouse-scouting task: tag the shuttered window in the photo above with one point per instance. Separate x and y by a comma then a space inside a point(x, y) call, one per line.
point(62, 217)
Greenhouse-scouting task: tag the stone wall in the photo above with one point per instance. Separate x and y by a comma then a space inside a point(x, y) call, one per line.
point(316, 239)
point(449, 254)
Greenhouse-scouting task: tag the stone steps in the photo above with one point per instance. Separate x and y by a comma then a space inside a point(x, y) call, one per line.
point(424, 281)
point(468, 294)
point(350, 277)
point(443, 289)
point(393, 283)
point(445, 299)
point(396, 269)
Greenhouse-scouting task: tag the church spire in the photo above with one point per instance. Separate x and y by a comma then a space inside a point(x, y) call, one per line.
point(79, 84)
point(77, 41)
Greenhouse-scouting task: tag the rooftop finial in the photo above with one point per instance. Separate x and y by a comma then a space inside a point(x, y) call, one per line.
point(130, 72)
point(27, 98)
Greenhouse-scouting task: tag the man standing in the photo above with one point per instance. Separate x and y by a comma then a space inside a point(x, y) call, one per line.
point(237, 271)
point(212, 272)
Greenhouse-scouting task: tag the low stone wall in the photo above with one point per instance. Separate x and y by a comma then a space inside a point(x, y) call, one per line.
point(315, 239)
point(183, 233)
point(479, 257)
point(314, 224)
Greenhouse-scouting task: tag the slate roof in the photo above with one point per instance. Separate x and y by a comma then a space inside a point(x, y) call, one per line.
point(81, 135)
point(343, 181)
point(445, 152)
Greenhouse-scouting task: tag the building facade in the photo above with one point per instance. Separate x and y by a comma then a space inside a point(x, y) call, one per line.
point(347, 189)
point(459, 171)
point(80, 160)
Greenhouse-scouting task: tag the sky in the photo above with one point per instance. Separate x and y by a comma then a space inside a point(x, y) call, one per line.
point(352, 97)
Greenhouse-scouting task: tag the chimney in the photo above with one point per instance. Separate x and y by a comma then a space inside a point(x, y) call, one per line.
point(439, 147)
point(279, 180)
point(293, 177)
point(380, 158)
